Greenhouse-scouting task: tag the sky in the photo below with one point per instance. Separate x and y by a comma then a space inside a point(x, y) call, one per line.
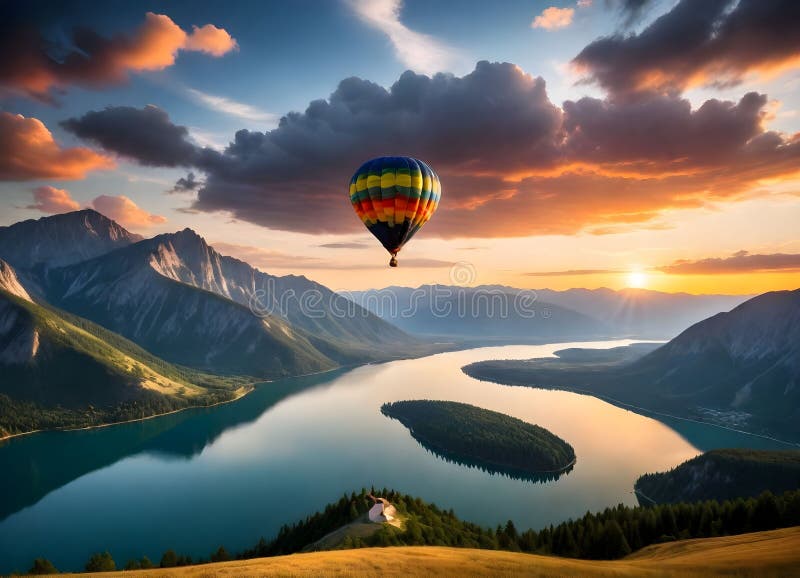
point(597, 143)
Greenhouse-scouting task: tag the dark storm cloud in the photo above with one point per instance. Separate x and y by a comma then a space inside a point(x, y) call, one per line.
point(631, 11)
point(187, 184)
point(511, 163)
point(741, 262)
point(661, 128)
point(146, 135)
point(713, 42)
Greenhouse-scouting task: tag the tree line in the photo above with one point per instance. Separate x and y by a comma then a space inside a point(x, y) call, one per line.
point(613, 533)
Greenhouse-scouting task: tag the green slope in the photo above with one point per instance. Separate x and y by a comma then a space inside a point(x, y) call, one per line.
point(722, 475)
point(61, 370)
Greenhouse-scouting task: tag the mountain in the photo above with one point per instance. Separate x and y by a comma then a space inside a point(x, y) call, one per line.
point(177, 297)
point(60, 370)
point(740, 369)
point(747, 360)
point(9, 282)
point(580, 313)
point(641, 312)
point(62, 239)
point(483, 313)
point(723, 474)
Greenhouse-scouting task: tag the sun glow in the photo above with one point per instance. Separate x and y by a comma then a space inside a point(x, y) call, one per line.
point(637, 279)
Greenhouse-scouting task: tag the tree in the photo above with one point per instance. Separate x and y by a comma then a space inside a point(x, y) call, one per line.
point(133, 564)
point(43, 566)
point(766, 514)
point(221, 555)
point(169, 559)
point(614, 543)
point(101, 562)
point(145, 563)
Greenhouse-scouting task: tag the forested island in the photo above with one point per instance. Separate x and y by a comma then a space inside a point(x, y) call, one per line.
point(723, 475)
point(478, 437)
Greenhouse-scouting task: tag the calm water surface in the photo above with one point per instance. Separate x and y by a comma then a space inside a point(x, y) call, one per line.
point(228, 475)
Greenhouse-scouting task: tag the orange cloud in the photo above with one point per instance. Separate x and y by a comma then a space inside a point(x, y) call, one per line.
point(95, 61)
point(28, 151)
point(51, 200)
point(740, 262)
point(211, 40)
point(123, 210)
point(553, 18)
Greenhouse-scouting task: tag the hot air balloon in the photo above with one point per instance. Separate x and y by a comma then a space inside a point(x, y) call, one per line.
point(394, 197)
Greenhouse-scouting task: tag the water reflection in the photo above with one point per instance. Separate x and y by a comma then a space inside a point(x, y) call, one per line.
point(42, 462)
point(508, 472)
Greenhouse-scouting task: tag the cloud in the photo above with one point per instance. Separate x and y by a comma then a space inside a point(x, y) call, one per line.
point(52, 201)
point(631, 10)
point(741, 262)
point(124, 211)
point(344, 246)
point(187, 184)
point(553, 18)
point(211, 40)
point(146, 135)
point(85, 58)
point(268, 259)
point(415, 50)
point(231, 107)
point(715, 42)
point(28, 151)
point(573, 272)
point(511, 162)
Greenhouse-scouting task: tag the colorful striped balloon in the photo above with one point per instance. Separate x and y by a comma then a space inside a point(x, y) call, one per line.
point(394, 197)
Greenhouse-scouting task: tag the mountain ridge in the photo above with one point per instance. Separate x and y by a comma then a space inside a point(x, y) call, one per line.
point(739, 369)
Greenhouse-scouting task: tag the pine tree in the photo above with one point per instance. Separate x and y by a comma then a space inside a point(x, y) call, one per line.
point(614, 543)
point(43, 566)
point(101, 562)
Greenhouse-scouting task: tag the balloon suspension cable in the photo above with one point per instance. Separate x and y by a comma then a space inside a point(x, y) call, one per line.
point(393, 260)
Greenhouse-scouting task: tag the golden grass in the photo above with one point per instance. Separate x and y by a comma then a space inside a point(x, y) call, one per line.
point(761, 554)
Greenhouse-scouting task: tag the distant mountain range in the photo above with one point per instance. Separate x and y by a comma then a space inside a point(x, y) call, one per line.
point(81, 297)
point(740, 369)
point(502, 312)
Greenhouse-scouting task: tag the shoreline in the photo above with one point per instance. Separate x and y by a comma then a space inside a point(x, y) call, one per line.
point(249, 388)
point(457, 347)
point(240, 393)
point(643, 411)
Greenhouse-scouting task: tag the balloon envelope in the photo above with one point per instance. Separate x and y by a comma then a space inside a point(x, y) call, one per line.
point(394, 197)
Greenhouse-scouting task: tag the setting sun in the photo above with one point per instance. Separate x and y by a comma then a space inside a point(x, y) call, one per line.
point(637, 279)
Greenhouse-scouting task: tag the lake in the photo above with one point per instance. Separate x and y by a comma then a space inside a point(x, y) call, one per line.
point(227, 475)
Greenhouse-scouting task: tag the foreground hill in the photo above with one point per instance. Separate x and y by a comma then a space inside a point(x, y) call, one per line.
point(740, 369)
point(760, 554)
point(722, 475)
